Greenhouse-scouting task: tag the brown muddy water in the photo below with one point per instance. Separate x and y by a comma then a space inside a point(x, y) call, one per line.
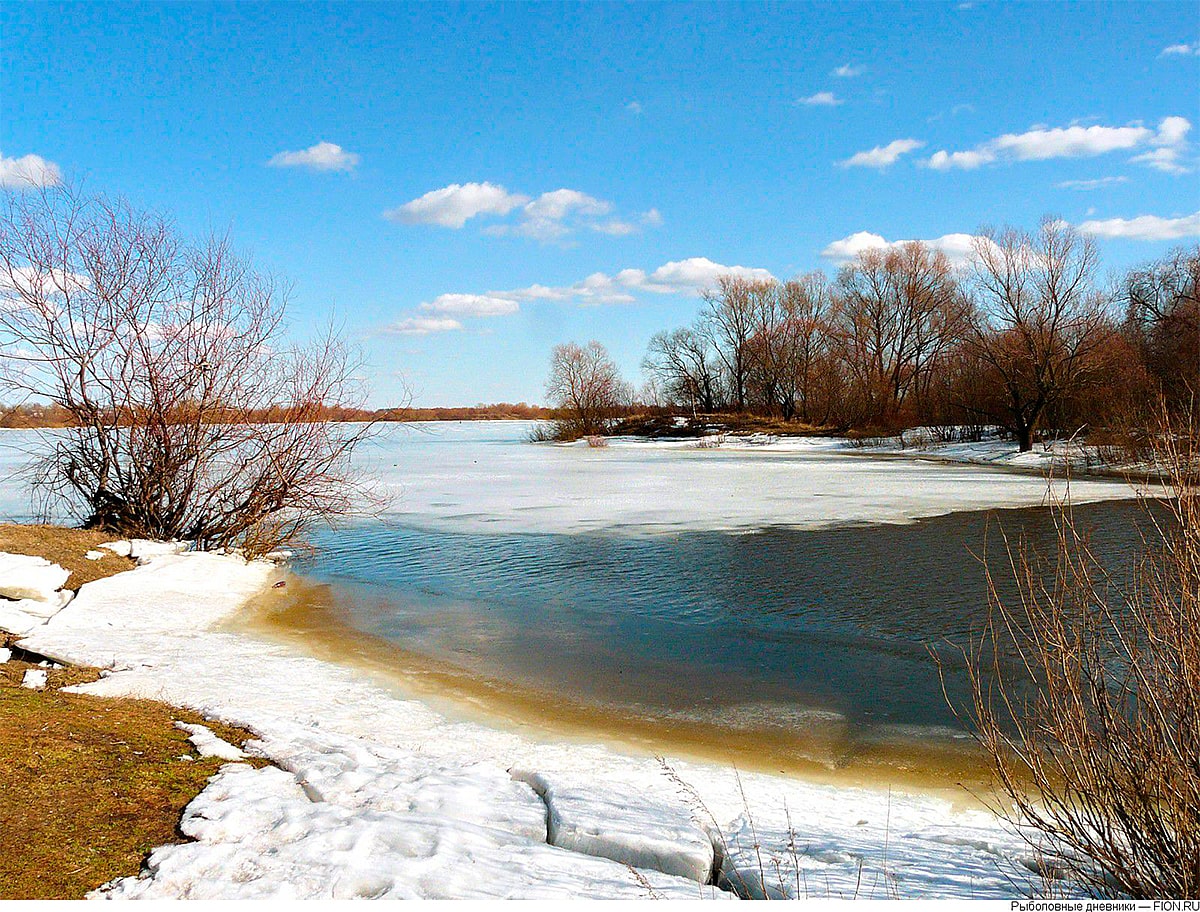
point(796, 651)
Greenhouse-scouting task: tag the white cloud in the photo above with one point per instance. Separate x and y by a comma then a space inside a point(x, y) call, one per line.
point(469, 305)
point(942, 160)
point(846, 71)
point(1170, 144)
point(957, 247)
point(695, 274)
point(1181, 50)
point(821, 99)
point(558, 203)
point(422, 326)
point(550, 217)
point(882, 156)
point(1145, 228)
point(634, 107)
point(452, 205)
point(1161, 160)
point(28, 172)
point(324, 156)
point(688, 276)
point(615, 227)
point(1093, 184)
point(1172, 131)
point(41, 282)
point(1076, 141)
point(651, 218)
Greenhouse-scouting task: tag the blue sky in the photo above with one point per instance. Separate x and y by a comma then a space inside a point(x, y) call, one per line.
point(463, 187)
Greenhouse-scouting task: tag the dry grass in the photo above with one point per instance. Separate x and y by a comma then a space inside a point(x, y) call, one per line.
point(1087, 698)
point(65, 547)
point(88, 785)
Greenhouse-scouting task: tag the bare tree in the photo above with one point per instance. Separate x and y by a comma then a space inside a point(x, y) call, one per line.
point(805, 306)
point(729, 317)
point(1163, 318)
point(1040, 320)
point(900, 309)
point(682, 362)
point(192, 417)
point(586, 386)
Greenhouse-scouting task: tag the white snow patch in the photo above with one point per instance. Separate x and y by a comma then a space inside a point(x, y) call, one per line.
point(23, 576)
point(624, 825)
point(209, 745)
point(35, 679)
point(94, 555)
point(5, 655)
point(120, 548)
point(144, 550)
point(259, 835)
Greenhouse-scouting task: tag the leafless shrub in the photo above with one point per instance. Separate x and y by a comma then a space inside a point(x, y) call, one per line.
point(192, 417)
point(711, 442)
point(587, 390)
point(1087, 699)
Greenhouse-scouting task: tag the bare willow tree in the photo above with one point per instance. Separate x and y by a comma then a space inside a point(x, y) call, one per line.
point(729, 318)
point(192, 416)
point(1041, 320)
point(586, 386)
point(1163, 318)
point(683, 362)
point(900, 310)
point(1087, 698)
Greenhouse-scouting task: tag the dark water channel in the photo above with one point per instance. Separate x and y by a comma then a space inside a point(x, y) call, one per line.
point(747, 633)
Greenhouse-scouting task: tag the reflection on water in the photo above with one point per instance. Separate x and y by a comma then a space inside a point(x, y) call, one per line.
point(757, 635)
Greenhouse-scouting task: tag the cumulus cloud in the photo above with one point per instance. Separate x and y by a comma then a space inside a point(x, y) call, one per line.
point(452, 205)
point(422, 326)
point(820, 99)
point(1076, 141)
point(558, 203)
point(957, 247)
point(694, 275)
point(882, 156)
point(1181, 50)
point(28, 172)
point(846, 71)
point(634, 107)
point(1170, 144)
point(471, 305)
point(551, 217)
point(1145, 228)
point(1093, 184)
point(324, 156)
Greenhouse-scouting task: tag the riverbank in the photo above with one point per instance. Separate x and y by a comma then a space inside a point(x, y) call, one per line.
point(375, 794)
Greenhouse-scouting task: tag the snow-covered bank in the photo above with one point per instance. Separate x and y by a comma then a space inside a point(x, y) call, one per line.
point(377, 795)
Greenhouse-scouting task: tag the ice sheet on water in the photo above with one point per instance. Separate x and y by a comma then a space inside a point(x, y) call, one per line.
point(486, 477)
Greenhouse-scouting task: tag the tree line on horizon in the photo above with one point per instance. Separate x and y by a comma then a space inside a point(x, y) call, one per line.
point(1025, 336)
point(49, 415)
